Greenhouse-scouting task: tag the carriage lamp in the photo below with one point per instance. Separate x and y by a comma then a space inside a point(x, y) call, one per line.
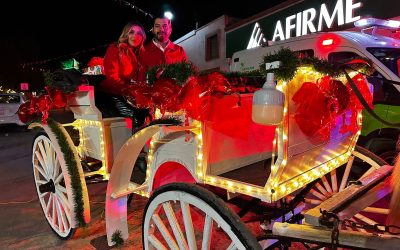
point(268, 103)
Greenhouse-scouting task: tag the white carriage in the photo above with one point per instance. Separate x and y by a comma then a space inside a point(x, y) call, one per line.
point(290, 174)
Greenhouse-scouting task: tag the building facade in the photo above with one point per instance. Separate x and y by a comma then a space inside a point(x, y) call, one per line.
point(211, 46)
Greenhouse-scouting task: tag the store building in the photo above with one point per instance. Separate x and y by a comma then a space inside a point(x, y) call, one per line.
point(211, 46)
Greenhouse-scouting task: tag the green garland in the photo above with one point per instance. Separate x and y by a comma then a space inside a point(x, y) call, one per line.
point(72, 167)
point(65, 80)
point(290, 62)
point(166, 121)
point(116, 238)
point(180, 71)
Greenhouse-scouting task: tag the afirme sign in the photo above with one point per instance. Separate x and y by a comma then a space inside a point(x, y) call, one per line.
point(313, 19)
point(305, 17)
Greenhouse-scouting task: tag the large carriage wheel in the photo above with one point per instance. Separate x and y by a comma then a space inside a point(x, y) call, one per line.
point(186, 216)
point(361, 162)
point(51, 187)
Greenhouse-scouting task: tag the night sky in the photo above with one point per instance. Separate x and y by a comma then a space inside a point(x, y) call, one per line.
point(48, 30)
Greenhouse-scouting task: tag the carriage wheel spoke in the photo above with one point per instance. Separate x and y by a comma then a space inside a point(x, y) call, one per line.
point(173, 222)
point(53, 217)
point(41, 196)
point(312, 201)
point(49, 202)
point(334, 181)
point(43, 158)
point(326, 184)
point(187, 220)
point(346, 174)
point(58, 179)
point(376, 210)
point(156, 243)
point(365, 219)
point(61, 188)
point(41, 171)
point(317, 194)
point(164, 232)
point(207, 230)
point(49, 158)
point(64, 215)
point(41, 182)
point(321, 189)
point(64, 202)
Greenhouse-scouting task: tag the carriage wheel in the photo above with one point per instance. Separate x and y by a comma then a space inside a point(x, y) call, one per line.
point(186, 216)
point(51, 187)
point(361, 162)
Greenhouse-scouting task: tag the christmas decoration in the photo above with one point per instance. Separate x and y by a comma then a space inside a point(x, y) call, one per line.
point(179, 71)
point(72, 166)
point(291, 62)
point(38, 107)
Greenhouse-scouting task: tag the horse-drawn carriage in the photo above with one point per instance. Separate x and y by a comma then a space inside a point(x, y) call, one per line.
point(284, 174)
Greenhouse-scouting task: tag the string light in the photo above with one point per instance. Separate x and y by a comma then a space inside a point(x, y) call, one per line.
point(34, 65)
point(146, 14)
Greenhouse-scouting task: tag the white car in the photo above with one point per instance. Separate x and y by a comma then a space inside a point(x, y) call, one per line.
point(9, 104)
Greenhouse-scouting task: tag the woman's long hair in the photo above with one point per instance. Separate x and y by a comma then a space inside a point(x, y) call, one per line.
point(123, 38)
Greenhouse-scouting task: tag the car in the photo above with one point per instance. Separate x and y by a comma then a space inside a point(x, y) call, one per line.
point(9, 105)
point(342, 46)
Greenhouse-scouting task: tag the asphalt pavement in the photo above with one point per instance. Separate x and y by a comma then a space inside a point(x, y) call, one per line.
point(22, 223)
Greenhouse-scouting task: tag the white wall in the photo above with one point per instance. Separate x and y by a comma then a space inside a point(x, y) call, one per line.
point(194, 44)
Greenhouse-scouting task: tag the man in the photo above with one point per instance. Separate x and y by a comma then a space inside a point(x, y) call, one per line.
point(160, 50)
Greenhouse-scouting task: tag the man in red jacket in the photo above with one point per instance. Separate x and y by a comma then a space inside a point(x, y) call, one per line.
point(160, 50)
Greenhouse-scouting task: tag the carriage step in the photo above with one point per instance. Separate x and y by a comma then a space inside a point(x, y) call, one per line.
point(347, 238)
point(91, 165)
point(347, 195)
point(132, 188)
point(95, 178)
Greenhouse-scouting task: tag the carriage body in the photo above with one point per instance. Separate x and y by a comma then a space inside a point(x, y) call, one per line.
point(230, 151)
point(225, 149)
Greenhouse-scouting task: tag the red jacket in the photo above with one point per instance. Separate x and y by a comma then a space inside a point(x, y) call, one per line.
point(121, 67)
point(153, 55)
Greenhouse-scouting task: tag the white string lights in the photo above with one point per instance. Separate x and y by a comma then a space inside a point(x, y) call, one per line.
point(145, 13)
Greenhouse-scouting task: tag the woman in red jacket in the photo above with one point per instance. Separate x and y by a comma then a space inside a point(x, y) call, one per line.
point(121, 65)
point(121, 69)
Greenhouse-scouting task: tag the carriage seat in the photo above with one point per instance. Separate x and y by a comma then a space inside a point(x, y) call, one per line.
point(91, 101)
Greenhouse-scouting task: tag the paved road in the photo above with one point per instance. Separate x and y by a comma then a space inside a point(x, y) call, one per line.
point(22, 223)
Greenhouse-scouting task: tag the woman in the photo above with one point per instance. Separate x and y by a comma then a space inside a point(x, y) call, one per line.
point(121, 69)
point(121, 65)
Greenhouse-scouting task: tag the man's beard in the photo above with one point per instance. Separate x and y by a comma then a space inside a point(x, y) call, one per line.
point(162, 37)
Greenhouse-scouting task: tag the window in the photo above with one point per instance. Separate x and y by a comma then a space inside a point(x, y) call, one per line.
point(384, 91)
point(390, 57)
point(212, 48)
point(305, 53)
point(343, 56)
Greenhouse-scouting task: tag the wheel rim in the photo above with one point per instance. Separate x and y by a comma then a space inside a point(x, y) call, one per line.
point(178, 220)
point(360, 164)
point(50, 186)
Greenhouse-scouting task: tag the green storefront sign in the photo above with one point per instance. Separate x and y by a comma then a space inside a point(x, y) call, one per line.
point(310, 16)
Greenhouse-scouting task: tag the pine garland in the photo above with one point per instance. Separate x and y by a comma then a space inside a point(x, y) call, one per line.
point(290, 62)
point(65, 80)
point(180, 71)
point(166, 121)
point(116, 238)
point(72, 168)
